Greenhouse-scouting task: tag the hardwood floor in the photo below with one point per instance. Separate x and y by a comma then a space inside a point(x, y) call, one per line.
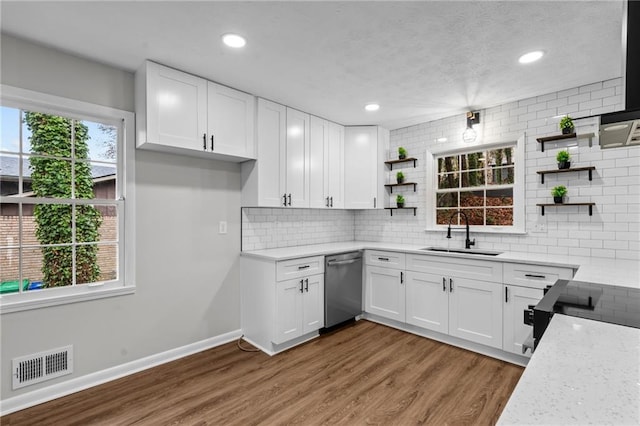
point(363, 374)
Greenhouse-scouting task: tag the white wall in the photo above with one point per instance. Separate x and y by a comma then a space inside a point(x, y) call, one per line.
point(187, 274)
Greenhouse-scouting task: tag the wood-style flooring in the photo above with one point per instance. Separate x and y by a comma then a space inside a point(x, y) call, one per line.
point(364, 374)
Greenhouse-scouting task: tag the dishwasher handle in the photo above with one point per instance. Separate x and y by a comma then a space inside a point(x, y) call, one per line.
point(343, 262)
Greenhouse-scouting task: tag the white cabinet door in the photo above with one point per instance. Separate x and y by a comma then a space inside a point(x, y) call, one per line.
point(334, 166)
point(288, 310)
point(517, 299)
point(427, 301)
point(313, 303)
point(230, 121)
point(385, 293)
point(475, 311)
point(264, 182)
point(297, 159)
point(318, 140)
point(176, 108)
point(361, 167)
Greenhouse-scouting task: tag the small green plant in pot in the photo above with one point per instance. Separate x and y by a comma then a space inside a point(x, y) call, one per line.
point(563, 158)
point(402, 153)
point(400, 201)
point(558, 193)
point(400, 177)
point(566, 125)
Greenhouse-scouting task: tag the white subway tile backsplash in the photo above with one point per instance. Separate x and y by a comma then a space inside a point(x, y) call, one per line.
point(613, 231)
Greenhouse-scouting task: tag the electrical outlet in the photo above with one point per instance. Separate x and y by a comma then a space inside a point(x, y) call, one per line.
point(540, 227)
point(222, 227)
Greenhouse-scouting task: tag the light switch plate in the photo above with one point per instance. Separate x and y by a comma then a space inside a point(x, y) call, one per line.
point(222, 227)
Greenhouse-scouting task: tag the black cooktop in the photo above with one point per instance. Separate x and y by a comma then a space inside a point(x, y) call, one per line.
point(607, 303)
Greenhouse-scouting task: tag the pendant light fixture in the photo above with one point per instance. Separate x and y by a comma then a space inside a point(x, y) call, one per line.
point(469, 135)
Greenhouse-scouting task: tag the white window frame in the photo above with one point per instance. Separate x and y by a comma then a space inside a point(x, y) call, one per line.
point(518, 187)
point(34, 299)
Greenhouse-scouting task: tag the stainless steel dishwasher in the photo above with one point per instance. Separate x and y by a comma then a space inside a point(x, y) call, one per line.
point(342, 287)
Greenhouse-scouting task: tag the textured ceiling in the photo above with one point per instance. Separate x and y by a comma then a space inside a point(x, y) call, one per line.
point(420, 60)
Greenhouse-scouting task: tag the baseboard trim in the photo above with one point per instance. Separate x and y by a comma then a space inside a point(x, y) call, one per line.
point(451, 340)
point(49, 393)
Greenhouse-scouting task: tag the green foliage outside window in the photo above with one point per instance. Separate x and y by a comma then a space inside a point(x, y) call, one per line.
point(52, 137)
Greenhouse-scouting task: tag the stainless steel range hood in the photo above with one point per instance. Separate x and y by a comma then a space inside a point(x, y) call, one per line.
point(622, 129)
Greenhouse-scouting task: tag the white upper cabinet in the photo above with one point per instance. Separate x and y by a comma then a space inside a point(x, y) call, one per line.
point(296, 170)
point(230, 121)
point(364, 148)
point(334, 166)
point(180, 113)
point(280, 176)
point(326, 166)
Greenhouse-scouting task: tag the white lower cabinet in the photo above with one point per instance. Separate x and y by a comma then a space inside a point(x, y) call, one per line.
point(517, 299)
point(524, 285)
point(427, 301)
point(299, 307)
point(282, 301)
point(460, 307)
point(385, 293)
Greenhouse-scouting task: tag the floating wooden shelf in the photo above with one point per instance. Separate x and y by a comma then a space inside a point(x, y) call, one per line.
point(404, 160)
point(575, 169)
point(568, 136)
point(391, 209)
point(567, 205)
point(392, 185)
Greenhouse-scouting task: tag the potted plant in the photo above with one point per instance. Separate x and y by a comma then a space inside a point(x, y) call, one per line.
point(400, 201)
point(558, 193)
point(563, 159)
point(402, 153)
point(400, 177)
point(566, 125)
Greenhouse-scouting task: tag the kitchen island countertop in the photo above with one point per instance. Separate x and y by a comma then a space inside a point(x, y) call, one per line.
point(618, 272)
point(583, 372)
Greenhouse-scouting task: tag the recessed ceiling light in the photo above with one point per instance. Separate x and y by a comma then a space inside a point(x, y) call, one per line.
point(615, 127)
point(234, 40)
point(441, 140)
point(527, 58)
point(372, 107)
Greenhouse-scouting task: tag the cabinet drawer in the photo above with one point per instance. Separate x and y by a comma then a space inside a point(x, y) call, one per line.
point(390, 259)
point(296, 268)
point(483, 270)
point(534, 276)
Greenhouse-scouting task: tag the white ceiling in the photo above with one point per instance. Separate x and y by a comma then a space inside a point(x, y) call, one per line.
point(420, 60)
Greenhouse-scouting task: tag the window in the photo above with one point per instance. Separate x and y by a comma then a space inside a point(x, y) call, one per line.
point(484, 183)
point(62, 211)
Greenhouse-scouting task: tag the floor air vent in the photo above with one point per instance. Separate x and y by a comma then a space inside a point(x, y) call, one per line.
point(36, 368)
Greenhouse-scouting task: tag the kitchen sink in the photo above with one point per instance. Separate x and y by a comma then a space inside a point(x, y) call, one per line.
point(463, 251)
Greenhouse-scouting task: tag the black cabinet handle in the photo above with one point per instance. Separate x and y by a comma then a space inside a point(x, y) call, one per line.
point(284, 200)
point(451, 285)
point(301, 286)
point(327, 202)
point(386, 259)
point(374, 202)
point(289, 198)
point(534, 276)
point(306, 285)
point(331, 198)
point(303, 267)
point(506, 295)
point(212, 139)
point(444, 284)
point(204, 141)
point(401, 277)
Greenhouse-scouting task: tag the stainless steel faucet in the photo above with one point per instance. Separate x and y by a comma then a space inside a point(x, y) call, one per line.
point(467, 242)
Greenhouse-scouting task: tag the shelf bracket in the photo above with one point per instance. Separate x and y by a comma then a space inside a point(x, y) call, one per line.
point(590, 208)
point(542, 207)
point(590, 176)
point(542, 177)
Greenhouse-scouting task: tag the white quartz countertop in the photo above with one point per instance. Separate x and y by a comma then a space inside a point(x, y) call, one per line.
point(582, 372)
point(620, 272)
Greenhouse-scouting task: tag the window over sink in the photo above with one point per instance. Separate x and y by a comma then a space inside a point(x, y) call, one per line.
point(486, 182)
